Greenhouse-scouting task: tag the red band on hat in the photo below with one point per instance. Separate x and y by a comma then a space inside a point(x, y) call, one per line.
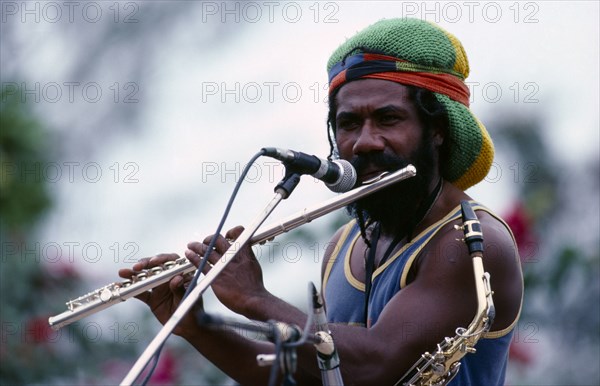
point(385, 67)
point(445, 84)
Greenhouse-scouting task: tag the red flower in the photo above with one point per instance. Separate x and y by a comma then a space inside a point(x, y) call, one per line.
point(164, 373)
point(165, 370)
point(521, 225)
point(519, 353)
point(38, 331)
point(62, 270)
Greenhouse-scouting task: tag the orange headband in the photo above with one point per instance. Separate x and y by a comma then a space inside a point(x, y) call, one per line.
point(384, 67)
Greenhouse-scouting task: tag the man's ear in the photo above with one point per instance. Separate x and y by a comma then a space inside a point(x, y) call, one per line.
point(439, 132)
point(438, 138)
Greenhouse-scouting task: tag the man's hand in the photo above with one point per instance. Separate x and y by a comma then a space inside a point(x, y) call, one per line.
point(240, 284)
point(164, 299)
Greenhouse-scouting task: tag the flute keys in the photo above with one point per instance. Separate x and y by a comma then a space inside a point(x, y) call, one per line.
point(105, 294)
point(70, 305)
point(169, 264)
point(156, 270)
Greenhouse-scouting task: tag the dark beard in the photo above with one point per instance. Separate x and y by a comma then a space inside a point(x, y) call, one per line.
point(395, 207)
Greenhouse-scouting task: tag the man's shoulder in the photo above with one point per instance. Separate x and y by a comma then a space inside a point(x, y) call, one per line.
point(497, 235)
point(445, 252)
point(451, 216)
point(447, 258)
point(333, 244)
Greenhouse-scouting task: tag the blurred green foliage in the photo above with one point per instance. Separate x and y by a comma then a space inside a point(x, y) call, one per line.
point(30, 349)
point(31, 284)
point(558, 243)
point(23, 194)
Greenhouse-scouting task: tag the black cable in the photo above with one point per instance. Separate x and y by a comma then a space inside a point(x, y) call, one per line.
point(279, 345)
point(211, 245)
point(155, 358)
point(307, 325)
point(213, 241)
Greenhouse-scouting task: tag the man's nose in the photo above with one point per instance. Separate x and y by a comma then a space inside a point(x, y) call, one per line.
point(369, 140)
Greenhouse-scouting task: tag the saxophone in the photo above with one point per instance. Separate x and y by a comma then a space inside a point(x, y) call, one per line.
point(440, 367)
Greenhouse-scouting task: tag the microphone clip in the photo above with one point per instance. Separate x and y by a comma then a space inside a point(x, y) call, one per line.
point(290, 180)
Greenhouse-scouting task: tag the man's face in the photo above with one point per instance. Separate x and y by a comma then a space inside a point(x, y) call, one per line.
point(378, 129)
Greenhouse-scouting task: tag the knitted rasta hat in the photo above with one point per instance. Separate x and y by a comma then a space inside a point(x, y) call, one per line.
point(419, 53)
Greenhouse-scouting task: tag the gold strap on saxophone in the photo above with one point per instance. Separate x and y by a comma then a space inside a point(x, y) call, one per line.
point(440, 367)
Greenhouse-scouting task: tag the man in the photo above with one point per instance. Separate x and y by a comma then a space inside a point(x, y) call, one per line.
point(397, 96)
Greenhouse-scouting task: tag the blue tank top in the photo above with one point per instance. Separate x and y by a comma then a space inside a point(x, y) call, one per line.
point(486, 367)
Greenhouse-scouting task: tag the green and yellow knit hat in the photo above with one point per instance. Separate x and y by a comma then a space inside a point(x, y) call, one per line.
point(419, 53)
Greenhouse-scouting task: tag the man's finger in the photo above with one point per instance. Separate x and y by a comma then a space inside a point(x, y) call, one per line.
point(144, 296)
point(221, 245)
point(197, 260)
point(234, 233)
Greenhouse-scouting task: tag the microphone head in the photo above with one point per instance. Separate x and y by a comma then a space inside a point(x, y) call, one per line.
point(347, 178)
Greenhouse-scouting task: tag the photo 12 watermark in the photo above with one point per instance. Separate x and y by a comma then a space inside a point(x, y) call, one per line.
point(69, 172)
point(269, 12)
point(516, 172)
point(69, 252)
point(54, 12)
point(472, 11)
point(257, 92)
point(38, 331)
point(494, 92)
point(71, 92)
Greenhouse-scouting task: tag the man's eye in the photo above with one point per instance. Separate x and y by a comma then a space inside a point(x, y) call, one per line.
point(389, 119)
point(347, 124)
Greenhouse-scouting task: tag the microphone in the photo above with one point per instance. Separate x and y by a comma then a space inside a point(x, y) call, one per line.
point(338, 175)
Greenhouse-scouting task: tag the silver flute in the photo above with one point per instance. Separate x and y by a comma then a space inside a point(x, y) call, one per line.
point(115, 293)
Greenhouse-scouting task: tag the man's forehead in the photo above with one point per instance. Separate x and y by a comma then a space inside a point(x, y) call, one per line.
point(372, 92)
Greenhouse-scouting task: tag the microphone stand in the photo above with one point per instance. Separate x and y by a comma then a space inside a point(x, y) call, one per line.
point(281, 334)
point(327, 356)
point(282, 191)
point(287, 337)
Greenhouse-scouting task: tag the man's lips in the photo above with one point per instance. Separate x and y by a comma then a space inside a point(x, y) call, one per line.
point(370, 174)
